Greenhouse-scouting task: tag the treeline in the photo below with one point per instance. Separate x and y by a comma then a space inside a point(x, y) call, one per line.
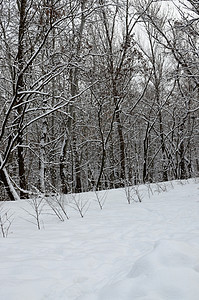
point(97, 94)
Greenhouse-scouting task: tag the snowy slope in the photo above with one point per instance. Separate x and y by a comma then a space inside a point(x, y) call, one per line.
point(147, 250)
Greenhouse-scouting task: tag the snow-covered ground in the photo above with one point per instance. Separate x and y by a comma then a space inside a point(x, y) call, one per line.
point(147, 250)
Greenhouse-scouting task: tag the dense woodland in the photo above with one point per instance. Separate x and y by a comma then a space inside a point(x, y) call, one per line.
point(97, 94)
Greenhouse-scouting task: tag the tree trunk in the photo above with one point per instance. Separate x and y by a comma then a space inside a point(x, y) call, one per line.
point(146, 145)
point(5, 179)
point(163, 147)
point(182, 168)
point(73, 79)
point(21, 166)
point(78, 184)
point(101, 168)
point(122, 148)
point(20, 86)
point(64, 188)
point(42, 157)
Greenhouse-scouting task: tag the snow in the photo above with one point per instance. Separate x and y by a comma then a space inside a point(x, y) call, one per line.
point(147, 250)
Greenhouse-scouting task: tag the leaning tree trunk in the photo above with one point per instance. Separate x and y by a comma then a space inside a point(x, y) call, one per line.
point(5, 179)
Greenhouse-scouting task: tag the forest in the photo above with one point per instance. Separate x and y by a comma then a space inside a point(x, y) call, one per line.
point(97, 94)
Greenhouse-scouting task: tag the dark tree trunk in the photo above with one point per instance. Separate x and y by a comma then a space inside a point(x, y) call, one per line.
point(101, 168)
point(20, 86)
point(122, 147)
point(163, 147)
point(63, 178)
point(146, 145)
point(3, 179)
point(21, 166)
point(182, 167)
point(78, 184)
